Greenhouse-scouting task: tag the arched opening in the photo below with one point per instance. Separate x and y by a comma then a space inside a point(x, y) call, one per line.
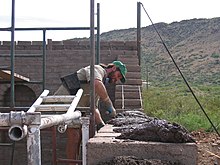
point(24, 96)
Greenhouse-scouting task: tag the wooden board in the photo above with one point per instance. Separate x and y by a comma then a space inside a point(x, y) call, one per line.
point(5, 75)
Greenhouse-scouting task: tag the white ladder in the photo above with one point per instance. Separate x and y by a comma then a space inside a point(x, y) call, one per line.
point(57, 103)
point(66, 106)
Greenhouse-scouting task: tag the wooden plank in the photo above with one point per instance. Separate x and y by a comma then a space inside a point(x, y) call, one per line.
point(126, 88)
point(133, 82)
point(129, 109)
point(58, 99)
point(133, 68)
point(127, 95)
point(134, 75)
point(52, 108)
point(132, 103)
point(5, 75)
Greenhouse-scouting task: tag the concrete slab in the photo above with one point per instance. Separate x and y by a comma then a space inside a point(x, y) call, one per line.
point(107, 128)
point(104, 147)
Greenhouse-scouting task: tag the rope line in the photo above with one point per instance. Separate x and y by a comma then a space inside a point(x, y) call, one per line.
point(123, 97)
point(139, 89)
point(201, 107)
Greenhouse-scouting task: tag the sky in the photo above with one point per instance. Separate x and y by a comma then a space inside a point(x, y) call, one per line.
point(114, 15)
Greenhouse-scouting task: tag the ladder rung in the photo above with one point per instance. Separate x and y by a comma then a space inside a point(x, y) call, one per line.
point(6, 144)
point(57, 99)
point(52, 107)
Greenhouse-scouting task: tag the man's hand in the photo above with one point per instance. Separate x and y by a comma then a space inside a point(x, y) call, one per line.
point(111, 111)
point(109, 107)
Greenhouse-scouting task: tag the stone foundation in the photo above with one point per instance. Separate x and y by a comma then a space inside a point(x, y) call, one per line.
point(104, 146)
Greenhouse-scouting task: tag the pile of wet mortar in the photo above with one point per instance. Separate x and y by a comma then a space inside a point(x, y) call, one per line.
point(136, 125)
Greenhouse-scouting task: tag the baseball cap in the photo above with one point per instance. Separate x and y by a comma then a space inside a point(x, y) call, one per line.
point(122, 68)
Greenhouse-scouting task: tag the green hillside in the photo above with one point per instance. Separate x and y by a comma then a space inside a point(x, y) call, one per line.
point(194, 44)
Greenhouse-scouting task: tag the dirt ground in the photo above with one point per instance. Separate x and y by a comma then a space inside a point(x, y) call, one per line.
point(208, 148)
point(208, 152)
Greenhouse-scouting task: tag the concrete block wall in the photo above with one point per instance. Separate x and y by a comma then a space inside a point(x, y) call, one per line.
point(104, 146)
point(129, 96)
point(62, 57)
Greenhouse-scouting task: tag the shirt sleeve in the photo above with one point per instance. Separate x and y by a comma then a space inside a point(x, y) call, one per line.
point(99, 73)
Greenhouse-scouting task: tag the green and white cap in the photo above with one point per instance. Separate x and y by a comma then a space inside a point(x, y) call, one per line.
point(122, 68)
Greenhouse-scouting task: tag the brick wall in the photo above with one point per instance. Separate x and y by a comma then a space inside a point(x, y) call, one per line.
point(62, 57)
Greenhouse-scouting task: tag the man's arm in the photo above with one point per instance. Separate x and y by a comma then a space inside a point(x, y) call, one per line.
point(101, 90)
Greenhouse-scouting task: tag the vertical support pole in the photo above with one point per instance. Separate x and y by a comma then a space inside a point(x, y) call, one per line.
point(147, 77)
point(98, 35)
point(12, 104)
point(33, 145)
point(54, 145)
point(92, 63)
point(44, 59)
point(139, 31)
point(85, 138)
point(33, 139)
point(12, 153)
point(123, 97)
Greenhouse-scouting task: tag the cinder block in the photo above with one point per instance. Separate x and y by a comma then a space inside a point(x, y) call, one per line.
point(103, 148)
point(24, 43)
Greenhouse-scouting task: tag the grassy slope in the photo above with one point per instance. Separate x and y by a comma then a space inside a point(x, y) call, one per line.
point(177, 104)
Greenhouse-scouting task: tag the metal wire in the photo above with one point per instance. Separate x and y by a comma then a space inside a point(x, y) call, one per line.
point(201, 107)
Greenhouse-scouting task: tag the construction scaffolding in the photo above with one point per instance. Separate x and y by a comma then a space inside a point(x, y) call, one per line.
point(12, 29)
point(28, 124)
point(22, 124)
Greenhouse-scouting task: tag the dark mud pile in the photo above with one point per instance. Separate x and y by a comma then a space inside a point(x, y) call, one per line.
point(136, 125)
point(131, 160)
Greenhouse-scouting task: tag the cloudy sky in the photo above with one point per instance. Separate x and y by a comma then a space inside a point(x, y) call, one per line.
point(114, 14)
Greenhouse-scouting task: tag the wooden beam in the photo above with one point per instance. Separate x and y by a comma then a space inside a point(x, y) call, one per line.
point(5, 75)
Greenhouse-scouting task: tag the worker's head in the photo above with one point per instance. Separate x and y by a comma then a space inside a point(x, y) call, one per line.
point(117, 72)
